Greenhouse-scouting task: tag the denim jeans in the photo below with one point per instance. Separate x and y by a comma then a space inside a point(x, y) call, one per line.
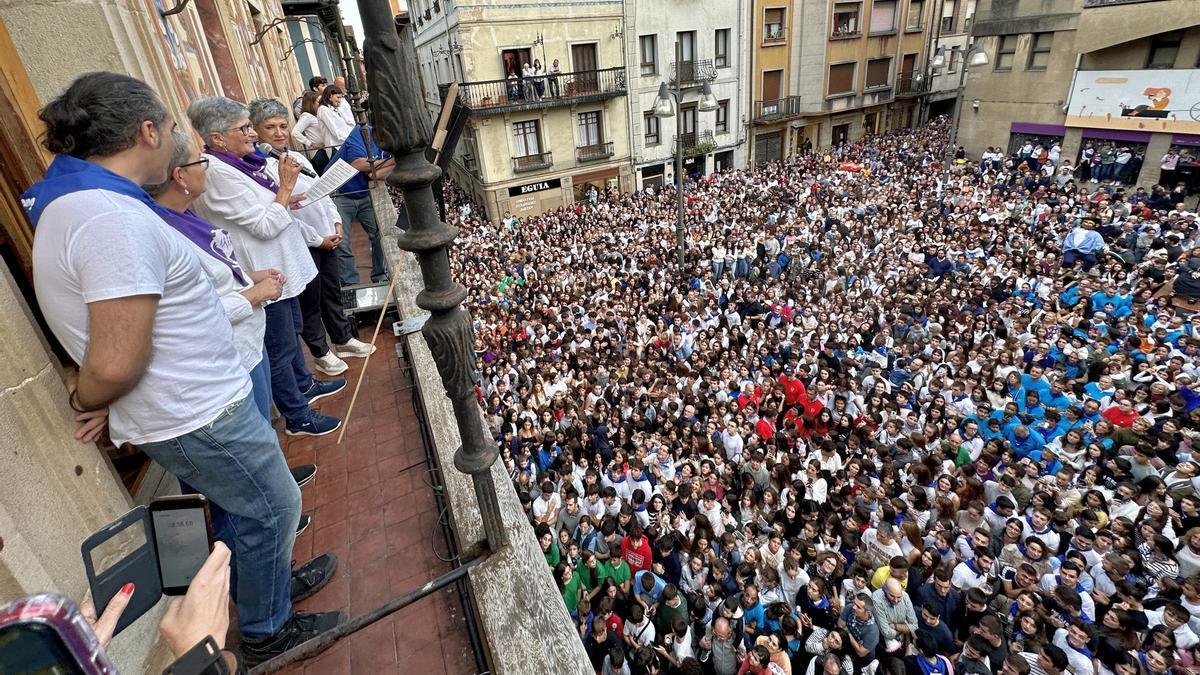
point(289, 376)
point(260, 377)
point(236, 462)
point(360, 209)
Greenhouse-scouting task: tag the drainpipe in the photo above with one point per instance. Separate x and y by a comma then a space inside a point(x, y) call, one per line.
point(1074, 74)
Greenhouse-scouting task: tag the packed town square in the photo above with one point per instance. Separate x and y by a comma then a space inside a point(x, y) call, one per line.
point(891, 416)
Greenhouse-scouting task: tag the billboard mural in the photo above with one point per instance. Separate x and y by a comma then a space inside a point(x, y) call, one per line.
point(1137, 100)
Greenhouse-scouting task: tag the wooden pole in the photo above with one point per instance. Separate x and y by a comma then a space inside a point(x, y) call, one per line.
point(387, 300)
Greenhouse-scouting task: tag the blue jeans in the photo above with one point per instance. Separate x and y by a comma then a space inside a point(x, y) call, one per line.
point(260, 377)
point(360, 209)
point(236, 462)
point(289, 376)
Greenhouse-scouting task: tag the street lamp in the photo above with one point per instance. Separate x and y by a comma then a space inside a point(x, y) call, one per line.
point(975, 56)
point(663, 108)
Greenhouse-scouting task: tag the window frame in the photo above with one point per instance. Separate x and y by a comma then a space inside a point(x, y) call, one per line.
point(782, 36)
point(1036, 50)
point(857, 7)
point(920, 14)
point(829, 79)
point(1169, 40)
point(721, 51)
point(536, 125)
point(891, 29)
point(583, 125)
point(887, 80)
point(653, 62)
point(649, 120)
point(721, 125)
point(1002, 52)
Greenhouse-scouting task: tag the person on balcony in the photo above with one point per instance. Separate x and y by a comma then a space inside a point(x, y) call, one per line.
point(555, 71)
point(539, 79)
point(527, 77)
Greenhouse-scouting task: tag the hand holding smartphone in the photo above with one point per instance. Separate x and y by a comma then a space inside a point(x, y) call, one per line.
point(158, 549)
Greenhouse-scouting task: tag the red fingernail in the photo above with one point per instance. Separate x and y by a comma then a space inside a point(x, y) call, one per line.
point(127, 589)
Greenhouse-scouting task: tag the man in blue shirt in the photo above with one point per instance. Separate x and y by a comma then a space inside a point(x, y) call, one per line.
point(1083, 243)
point(353, 202)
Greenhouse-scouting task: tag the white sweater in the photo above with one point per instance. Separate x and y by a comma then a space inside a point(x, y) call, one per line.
point(265, 234)
point(334, 128)
point(307, 132)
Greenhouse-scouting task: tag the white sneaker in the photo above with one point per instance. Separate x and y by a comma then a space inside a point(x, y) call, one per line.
point(354, 349)
point(330, 364)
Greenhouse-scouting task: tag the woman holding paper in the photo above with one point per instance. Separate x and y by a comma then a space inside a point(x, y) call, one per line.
point(256, 209)
point(321, 300)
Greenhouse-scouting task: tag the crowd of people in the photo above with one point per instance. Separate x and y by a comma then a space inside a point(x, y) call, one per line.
point(891, 416)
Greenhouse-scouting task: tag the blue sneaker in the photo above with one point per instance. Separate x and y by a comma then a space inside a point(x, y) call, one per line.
point(319, 389)
point(317, 425)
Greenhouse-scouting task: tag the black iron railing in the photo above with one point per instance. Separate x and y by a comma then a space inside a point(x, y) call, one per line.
point(536, 162)
point(911, 85)
point(591, 153)
point(542, 91)
point(695, 143)
point(689, 73)
point(765, 111)
point(1108, 3)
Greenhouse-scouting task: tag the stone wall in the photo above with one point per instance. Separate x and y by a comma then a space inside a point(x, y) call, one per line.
point(524, 622)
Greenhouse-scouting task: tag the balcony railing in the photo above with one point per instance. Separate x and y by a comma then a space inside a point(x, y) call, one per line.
point(773, 33)
point(471, 164)
point(542, 160)
point(695, 144)
point(781, 108)
point(908, 86)
point(844, 33)
point(591, 153)
point(496, 96)
point(693, 73)
point(1107, 3)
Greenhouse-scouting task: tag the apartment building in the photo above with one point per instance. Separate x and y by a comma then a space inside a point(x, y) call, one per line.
point(532, 143)
point(687, 45)
point(831, 71)
point(1115, 73)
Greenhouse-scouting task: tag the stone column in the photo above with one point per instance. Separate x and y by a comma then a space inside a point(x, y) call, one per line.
point(54, 490)
point(1152, 164)
point(1072, 142)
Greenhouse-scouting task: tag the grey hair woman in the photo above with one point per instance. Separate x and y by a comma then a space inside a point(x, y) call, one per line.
point(256, 208)
point(321, 301)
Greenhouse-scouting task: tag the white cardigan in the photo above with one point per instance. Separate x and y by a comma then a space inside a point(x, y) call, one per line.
point(334, 128)
point(321, 215)
point(265, 234)
point(307, 132)
point(249, 322)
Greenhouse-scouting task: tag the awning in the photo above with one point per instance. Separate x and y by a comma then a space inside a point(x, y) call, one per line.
point(1118, 135)
point(1038, 129)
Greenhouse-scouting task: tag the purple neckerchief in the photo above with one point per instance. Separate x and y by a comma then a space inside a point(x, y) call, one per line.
point(212, 240)
point(252, 165)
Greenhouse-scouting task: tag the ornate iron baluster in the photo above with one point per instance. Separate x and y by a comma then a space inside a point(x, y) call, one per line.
point(402, 128)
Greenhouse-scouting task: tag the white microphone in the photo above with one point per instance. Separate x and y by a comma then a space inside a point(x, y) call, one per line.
point(270, 151)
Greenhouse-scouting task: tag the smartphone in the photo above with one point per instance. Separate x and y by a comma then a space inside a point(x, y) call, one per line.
point(182, 539)
point(47, 634)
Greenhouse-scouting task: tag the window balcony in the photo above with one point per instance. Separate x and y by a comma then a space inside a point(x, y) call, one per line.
point(693, 73)
point(537, 162)
point(773, 34)
point(778, 109)
point(592, 153)
point(695, 144)
point(911, 86)
point(845, 34)
point(491, 97)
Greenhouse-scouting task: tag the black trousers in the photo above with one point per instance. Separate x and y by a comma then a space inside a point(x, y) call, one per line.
point(321, 305)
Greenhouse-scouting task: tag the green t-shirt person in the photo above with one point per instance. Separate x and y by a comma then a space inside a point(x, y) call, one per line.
point(616, 569)
point(570, 592)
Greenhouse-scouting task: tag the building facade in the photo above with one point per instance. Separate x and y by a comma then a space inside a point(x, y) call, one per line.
point(948, 38)
point(686, 46)
point(1113, 75)
point(531, 143)
point(829, 72)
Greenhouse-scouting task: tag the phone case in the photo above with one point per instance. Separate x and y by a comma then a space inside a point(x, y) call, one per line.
point(62, 615)
point(139, 567)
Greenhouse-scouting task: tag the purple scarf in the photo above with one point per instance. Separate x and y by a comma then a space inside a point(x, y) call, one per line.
point(212, 240)
point(252, 165)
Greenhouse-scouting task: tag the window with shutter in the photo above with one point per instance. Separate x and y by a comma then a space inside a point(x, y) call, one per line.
point(883, 16)
point(841, 79)
point(878, 72)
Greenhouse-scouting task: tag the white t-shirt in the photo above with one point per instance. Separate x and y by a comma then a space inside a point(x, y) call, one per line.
point(97, 245)
point(249, 322)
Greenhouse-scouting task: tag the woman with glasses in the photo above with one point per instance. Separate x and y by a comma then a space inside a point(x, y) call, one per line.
point(258, 212)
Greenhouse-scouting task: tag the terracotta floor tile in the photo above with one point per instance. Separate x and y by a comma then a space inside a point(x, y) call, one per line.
point(368, 548)
point(364, 522)
point(332, 511)
point(373, 649)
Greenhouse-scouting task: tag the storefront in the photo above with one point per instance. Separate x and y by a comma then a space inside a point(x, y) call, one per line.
point(768, 147)
point(1034, 134)
point(534, 198)
point(653, 176)
point(1120, 139)
point(584, 183)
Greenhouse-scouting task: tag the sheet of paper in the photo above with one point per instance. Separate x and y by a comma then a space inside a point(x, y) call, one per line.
point(335, 176)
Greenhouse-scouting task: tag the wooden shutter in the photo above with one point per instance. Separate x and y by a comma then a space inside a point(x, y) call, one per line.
point(878, 71)
point(841, 78)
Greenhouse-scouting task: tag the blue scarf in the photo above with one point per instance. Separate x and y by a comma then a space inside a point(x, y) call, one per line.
point(67, 175)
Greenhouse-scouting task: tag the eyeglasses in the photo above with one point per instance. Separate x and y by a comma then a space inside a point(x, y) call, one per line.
point(244, 129)
point(203, 162)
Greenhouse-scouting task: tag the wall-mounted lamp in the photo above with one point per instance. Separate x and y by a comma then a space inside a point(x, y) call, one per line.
point(975, 105)
point(618, 33)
